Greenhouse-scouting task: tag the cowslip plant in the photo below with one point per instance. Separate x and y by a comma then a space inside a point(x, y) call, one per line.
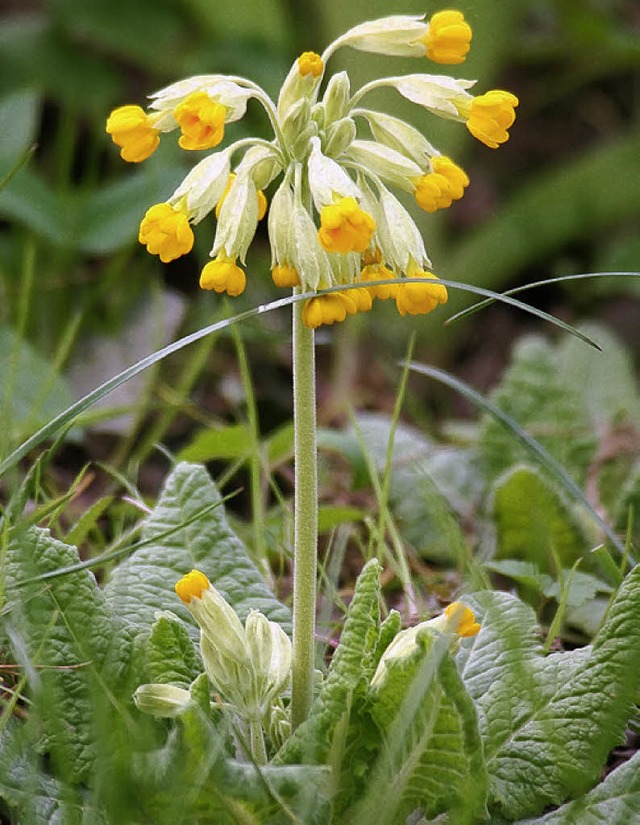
point(333, 222)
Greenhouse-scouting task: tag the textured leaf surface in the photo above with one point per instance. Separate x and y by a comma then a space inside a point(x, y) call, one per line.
point(171, 656)
point(431, 757)
point(145, 582)
point(616, 801)
point(75, 652)
point(548, 723)
point(534, 395)
point(351, 663)
point(532, 521)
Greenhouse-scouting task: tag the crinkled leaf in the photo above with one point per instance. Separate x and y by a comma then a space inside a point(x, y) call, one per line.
point(548, 723)
point(532, 521)
point(533, 393)
point(144, 583)
point(35, 796)
point(431, 755)
point(616, 801)
point(76, 654)
point(351, 663)
point(171, 655)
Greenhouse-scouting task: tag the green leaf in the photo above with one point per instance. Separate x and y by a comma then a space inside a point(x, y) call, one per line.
point(533, 393)
point(616, 801)
point(30, 390)
point(233, 441)
point(352, 663)
point(532, 521)
point(171, 656)
point(548, 723)
point(32, 794)
point(431, 755)
point(144, 583)
point(18, 125)
point(76, 654)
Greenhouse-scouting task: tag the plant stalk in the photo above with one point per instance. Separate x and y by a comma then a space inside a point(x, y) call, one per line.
point(305, 518)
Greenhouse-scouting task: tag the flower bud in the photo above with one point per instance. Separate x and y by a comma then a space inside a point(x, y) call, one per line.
point(339, 137)
point(238, 219)
point(270, 653)
point(167, 701)
point(385, 162)
point(336, 97)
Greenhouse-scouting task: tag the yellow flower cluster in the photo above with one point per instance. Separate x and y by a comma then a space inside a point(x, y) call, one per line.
point(333, 220)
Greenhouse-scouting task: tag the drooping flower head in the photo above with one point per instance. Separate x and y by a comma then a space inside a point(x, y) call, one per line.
point(333, 220)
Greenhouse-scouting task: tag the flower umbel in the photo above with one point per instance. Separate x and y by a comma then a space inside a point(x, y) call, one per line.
point(333, 220)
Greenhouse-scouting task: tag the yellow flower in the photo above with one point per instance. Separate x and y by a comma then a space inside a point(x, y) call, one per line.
point(448, 38)
point(262, 201)
point(420, 298)
point(191, 586)
point(310, 63)
point(439, 188)
point(166, 232)
point(327, 309)
point(132, 129)
point(490, 117)
point(285, 276)
point(379, 272)
point(344, 227)
point(223, 275)
point(461, 620)
point(201, 121)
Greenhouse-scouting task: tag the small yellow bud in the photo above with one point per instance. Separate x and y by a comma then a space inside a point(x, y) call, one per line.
point(285, 276)
point(131, 128)
point(491, 115)
point(166, 232)
point(201, 121)
point(310, 63)
point(345, 227)
point(448, 38)
point(191, 586)
point(223, 275)
point(262, 201)
point(420, 298)
point(461, 620)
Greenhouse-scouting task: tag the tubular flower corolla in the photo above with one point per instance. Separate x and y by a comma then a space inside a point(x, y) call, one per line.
point(333, 220)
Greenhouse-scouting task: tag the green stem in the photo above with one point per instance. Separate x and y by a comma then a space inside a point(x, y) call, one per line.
point(256, 739)
point(305, 518)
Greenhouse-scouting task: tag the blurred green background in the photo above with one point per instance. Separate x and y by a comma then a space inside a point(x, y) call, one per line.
point(80, 299)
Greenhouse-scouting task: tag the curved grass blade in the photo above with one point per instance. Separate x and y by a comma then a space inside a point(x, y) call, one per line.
point(536, 449)
point(76, 409)
point(581, 276)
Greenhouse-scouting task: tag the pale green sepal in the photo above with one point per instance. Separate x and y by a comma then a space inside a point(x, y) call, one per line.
point(238, 219)
point(398, 35)
point(295, 88)
point(279, 222)
point(296, 121)
point(339, 136)
point(204, 185)
point(327, 179)
point(398, 235)
point(307, 256)
point(400, 135)
point(336, 97)
point(385, 162)
point(440, 94)
point(167, 701)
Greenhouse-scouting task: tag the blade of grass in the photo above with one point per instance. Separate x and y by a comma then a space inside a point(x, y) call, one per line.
point(546, 282)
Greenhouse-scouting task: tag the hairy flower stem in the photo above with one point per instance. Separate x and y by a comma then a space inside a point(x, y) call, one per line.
point(256, 738)
point(305, 518)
